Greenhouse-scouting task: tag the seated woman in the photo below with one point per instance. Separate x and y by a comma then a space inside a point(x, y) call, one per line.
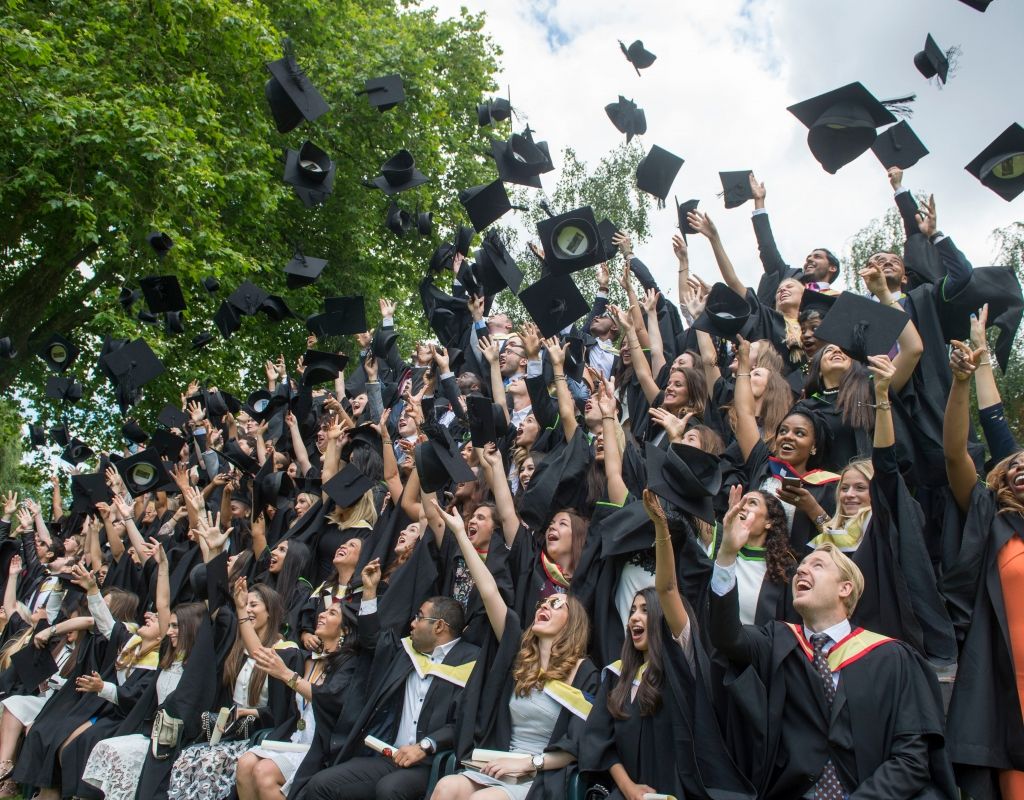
point(204, 771)
point(288, 573)
point(654, 695)
point(340, 588)
point(882, 528)
point(115, 764)
point(527, 693)
point(265, 772)
point(783, 462)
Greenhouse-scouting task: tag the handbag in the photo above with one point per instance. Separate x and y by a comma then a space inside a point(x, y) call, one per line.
point(165, 736)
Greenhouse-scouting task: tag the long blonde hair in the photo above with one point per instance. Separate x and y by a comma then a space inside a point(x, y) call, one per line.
point(840, 521)
point(1006, 499)
point(361, 514)
point(569, 647)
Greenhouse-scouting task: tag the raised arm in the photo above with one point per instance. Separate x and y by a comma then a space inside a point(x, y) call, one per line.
point(494, 605)
point(489, 349)
point(411, 504)
point(392, 475)
point(434, 519)
point(633, 307)
point(56, 507)
point(566, 406)
point(497, 479)
point(124, 512)
point(665, 582)
point(298, 446)
point(650, 305)
point(747, 434)
point(910, 345)
point(702, 224)
point(882, 370)
point(11, 589)
point(163, 588)
point(641, 368)
point(617, 491)
point(682, 253)
point(250, 639)
point(959, 466)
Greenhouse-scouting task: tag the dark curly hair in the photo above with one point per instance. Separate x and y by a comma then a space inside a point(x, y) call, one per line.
point(778, 557)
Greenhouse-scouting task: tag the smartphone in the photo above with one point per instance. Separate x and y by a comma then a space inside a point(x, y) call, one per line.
point(789, 484)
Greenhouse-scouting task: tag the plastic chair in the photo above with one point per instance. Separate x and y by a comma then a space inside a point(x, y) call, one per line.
point(445, 763)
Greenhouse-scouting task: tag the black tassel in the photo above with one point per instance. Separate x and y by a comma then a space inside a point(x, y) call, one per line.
point(900, 106)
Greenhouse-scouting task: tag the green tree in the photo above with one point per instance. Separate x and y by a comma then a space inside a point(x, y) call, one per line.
point(130, 117)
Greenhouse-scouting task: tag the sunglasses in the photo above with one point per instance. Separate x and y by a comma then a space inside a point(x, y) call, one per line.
point(554, 602)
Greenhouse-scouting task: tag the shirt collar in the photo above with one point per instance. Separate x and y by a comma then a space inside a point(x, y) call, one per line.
point(442, 650)
point(836, 633)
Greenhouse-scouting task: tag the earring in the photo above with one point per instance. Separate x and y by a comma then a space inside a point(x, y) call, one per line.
point(814, 451)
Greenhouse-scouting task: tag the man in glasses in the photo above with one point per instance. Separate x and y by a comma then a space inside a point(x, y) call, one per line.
point(414, 685)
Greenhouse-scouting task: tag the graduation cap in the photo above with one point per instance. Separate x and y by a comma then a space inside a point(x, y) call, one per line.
point(64, 389)
point(485, 203)
point(133, 366)
point(606, 229)
point(398, 220)
point(171, 416)
point(310, 171)
point(464, 239)
point(424, 223)
point(725, 313)
point(487, 421)
point(270, 488)
point(148, 317)
point(736, 187)
point(657, 170)
point(248, 298)
point(497, 109)
point(226, 319)
point(167, 444)
point(442, 257)
point(575, 357)
point(497, 268)
point(303, 270)
point(160, 242)
point(398, 174)
point(977, 5)
point(1000, 166)
point(446, 315)
point(275, 308)
point(7, 349)
point(88, 489)
point(385, 92)
point(320, 367)
point(233, 454)
point(898, 146)
point(34, 666)
point(219, 403)
point(291, 95)
point(469, 279)
point(360, 436)
point(685, 476)
point(439, 461)
point(521, 160)
point(36, 436)
point(127, 297)
point(682, 209)
point(554, 302)
point(932, 61)
point(174, 323)
point(997, 286)
point(163, 293)
point(76, 452)
point(842, 124)
point(58, 353)
point(60, 435)
point(347, 315)
point(819, 302)
point(200, 340)
point(637, 55)
point(627, 118)
point(300, 485)
point(571, 241)
point(143, 472)
point(133, 432)
point(348, 486)
point(861, 327)
point(211, 284)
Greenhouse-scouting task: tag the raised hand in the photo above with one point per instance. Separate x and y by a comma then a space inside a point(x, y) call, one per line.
point(694, 298)
point(927, 222)
point(453, 521)
point(874, 279)
point(489, 349)
point(387, 308)
point(979, 322)
point(757, 189)
point(603, 277)
point(673, 425)
point(270, 369)
point(625, 323)
point(240, 594)
point(196, 412)
point(475, 304)
point(370, 576)
point(882, 370)
point(652, 505)
point(10, 504)
point(735, 531)
point(650, 301)
point(14, 568)
point(623, 242)
point(530, 335)
point(702, 224)
point(440, 358)
point(556, 351)
point(963, 361)
point(895, 178)
point(370, 365)
point(606, 398)
point(680, 248)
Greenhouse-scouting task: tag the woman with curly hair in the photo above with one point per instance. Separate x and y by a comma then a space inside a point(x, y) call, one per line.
point(527, 696)
point(764, 561)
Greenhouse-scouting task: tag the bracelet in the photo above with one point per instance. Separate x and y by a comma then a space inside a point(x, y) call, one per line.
point(385, 441)
point(742, 374)
point(894, 303)
point(885, 405)
point(662, 540)
point(293, 680)
point(558, 378)
point(609, 417)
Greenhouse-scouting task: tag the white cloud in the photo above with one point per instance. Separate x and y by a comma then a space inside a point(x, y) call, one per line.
point(717, 96)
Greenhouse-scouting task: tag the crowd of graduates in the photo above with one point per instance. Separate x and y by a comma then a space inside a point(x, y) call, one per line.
point(749, 546)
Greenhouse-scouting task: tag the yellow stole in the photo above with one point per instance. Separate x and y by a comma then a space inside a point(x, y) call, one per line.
point(852, 648)
point(128, 659)
point(457, 674)
point(553, 571)
point(616, 667)
point(568, 697)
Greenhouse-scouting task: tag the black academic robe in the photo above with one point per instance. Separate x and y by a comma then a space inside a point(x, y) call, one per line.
point(381, 713)
point(846, 443)
point(984, 727)
point(485, 720)
point(883, 732)
point(901, 598)
point(558, 483)
point(678, 749)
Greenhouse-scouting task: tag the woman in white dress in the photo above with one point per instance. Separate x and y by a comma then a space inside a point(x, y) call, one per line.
point(265, 772)
point(115, 764)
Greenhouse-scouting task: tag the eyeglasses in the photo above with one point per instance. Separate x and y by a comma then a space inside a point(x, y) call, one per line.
point(554, 602)
point(419, 618)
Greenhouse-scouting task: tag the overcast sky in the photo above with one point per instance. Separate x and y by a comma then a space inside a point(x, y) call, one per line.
point(717, 96)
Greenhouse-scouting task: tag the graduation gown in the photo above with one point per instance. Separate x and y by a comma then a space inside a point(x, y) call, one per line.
point(678, 749)
point(883, 732)
point(485, 720)
point(984, 727)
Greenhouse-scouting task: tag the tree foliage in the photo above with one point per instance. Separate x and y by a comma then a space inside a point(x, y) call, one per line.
point(130, 117)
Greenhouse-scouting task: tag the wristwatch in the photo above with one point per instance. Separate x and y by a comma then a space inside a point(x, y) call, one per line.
point(820, 520)
point(427, 745)
point(538, 762)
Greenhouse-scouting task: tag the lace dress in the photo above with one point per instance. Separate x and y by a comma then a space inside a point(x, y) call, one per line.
point(205, 772)
point(115, 764)
point(533, 719)
point(288, 761)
